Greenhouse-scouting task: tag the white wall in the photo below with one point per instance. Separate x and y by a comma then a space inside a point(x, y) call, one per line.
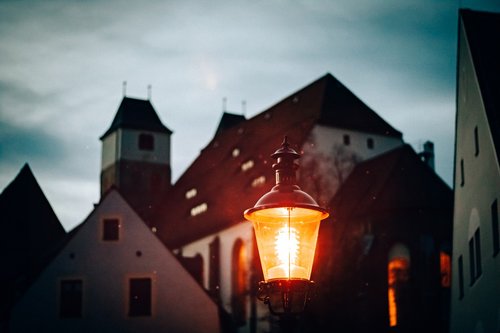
point(129, 149)
point(109, 151)
point(480, 306)
point(178, 302)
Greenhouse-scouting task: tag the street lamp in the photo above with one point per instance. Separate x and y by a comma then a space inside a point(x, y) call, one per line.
point(286, 222)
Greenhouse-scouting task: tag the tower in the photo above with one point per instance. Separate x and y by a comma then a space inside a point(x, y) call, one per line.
point(136, 156)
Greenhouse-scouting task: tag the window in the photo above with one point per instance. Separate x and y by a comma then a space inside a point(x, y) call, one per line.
point(347, 140)
point(70, 303)
point(191, 193)
point(475, 256)
point(110, 229)
point(494, 227)
point(370, 143)
point(146, 142)
point(236, 152)
point(247, 165)
point(398, 289)
point(139, 297)
point(214, 269)
point(445, 266)
point(239, 282)
point(476, 141)
point(197, 210)
point(258, 181)
point(462, 178)
point(460, 277)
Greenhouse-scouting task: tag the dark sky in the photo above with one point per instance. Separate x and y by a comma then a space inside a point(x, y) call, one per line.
point(62, 64)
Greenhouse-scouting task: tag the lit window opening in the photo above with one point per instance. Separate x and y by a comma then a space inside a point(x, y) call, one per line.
point(199, 209)
point(247, 165)
point(191, 193)
point(258, 181)
point(236, 152)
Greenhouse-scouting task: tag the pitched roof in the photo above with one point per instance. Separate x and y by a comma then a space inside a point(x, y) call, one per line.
point(482, 33)
point(136, 114)
point(217, 174)
point(229, 120)
point(394, 182)
point(30, 236)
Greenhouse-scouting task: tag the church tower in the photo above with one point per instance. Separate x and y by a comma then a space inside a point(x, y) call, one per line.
point(136, 156)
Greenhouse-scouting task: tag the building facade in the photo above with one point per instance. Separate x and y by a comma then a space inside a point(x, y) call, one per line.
point(475, 302)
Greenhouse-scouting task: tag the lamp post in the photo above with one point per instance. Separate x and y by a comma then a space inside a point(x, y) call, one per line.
point(286, 222)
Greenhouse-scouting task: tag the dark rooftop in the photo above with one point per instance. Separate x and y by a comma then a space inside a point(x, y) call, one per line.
point(136, 114)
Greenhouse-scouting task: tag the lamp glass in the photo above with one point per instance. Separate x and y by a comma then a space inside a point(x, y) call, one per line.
point(286, 239)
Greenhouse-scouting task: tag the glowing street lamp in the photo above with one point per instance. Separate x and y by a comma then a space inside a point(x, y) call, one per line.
point(286, 222)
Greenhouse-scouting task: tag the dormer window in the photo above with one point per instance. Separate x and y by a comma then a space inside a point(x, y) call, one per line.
point(236, 152)
point(258, 181)
point(247, 165)
point(191, 193)
point(197, 210)
point(146, 141)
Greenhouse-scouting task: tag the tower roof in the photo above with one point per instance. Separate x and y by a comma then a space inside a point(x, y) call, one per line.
point(229, 120)
point(136, 114)
point(234, 169)
point(482, 30)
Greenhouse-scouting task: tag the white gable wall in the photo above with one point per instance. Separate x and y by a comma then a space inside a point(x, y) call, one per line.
point(178, 303)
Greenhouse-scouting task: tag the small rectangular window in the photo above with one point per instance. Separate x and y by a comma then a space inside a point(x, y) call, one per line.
point(347, 140)
point(370, 143)
point(140, 297)
point(146, 142)
point(460, 277)
point(476, 141)
point(70, 303)
point(494, 226)
point(475, 256)
point(110, 229)
point(462, 178)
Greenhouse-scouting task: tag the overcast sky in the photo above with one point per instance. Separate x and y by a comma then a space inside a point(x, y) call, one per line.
point(62, 64)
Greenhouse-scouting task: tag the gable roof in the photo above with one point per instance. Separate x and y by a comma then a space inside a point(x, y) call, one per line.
point(30, 237)
point(226, 188)
point(482, 31)
point(136, 114)
point(396, 182)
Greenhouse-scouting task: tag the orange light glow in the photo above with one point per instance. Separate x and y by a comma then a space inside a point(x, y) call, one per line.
point(397, 273)
point(286, 238)
point(445, 263)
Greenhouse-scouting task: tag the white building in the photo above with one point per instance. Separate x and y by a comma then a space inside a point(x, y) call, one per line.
point(115, 275)
point(475, 304)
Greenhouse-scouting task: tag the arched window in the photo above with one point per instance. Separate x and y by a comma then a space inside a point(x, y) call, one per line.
point(398, 274)
point(239, 282)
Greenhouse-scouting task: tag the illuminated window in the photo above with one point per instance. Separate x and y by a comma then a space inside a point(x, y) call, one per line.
point(110, 229)
point(146, 142)
point(398, 293)
point(247, 165)
point(191, 193)
point(445, 265)
point(139, 297)
point(236, 152)
point(197, 210)
point(239, 282)
point(70, 302)
point(258, 181)
point(475, 256)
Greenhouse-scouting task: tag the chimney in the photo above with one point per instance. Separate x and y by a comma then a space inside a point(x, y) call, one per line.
point(427, 155)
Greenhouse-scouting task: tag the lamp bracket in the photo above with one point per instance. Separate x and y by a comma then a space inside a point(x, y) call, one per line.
point(286, 297)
